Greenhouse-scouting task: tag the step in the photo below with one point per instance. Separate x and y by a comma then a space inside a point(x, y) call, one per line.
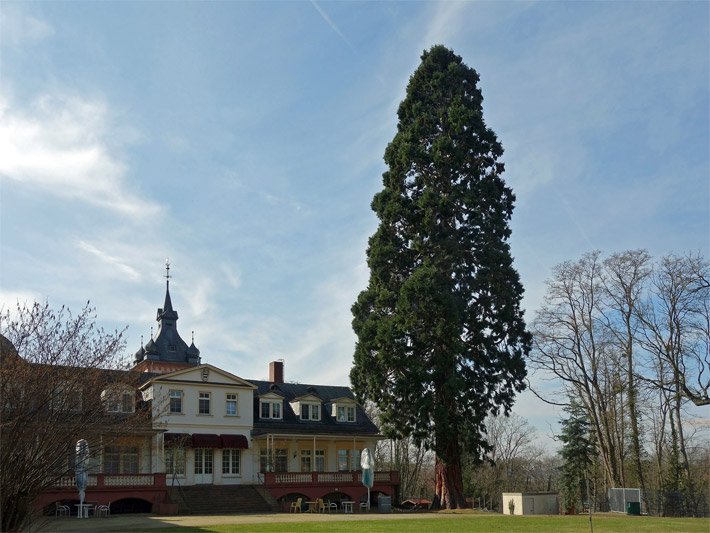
point(220, 499)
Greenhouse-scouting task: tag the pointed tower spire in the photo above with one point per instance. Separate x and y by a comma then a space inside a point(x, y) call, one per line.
point(166, 346)
point(168, 305)
point(167, 311)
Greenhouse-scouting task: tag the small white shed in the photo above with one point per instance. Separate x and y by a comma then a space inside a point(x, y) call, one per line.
point(527, 503)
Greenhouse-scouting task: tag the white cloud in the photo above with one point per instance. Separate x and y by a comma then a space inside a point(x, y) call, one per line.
point(330, 336)
point(445, 23)
point(116, 262)
point(60, 145)
point(332, 25)
point(232, 276)
point(18, 28)
point(201, 296)
point(10, 299)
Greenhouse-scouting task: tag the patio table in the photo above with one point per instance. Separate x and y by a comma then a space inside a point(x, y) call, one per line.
point(312, 507)
point(83, 509)
point(347, 506)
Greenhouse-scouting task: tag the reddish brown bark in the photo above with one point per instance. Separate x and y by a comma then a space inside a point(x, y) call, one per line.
point(449, 483)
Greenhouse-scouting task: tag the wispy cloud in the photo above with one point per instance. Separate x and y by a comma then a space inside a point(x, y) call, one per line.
point(332, 24)
point(232, 276)
point(17, 28)
point(445, 23)
point(60, 145)
point(116, 262)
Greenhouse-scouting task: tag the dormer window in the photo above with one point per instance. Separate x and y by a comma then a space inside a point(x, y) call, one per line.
point(346, 413)
point(310, 411)
point(67, 397)
point(118, 400)
point(344, 410)
point(307, 407)
point(270, 408)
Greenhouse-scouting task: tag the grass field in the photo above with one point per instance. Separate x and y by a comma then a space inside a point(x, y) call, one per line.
point(442, 522)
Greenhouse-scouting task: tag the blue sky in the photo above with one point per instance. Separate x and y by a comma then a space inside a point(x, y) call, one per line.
point(244, 141)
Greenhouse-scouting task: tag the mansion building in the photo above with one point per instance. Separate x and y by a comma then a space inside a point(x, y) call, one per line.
point(215, 436)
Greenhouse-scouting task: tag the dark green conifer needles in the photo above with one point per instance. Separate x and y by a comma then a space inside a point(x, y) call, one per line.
point(441, 336)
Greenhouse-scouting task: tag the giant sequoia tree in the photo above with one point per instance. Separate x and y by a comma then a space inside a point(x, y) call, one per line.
point(441, 336)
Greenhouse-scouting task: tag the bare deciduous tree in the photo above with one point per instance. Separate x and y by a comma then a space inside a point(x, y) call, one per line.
point(572, 344)
point(57, 371)
point(676, 325)
point(630, 340)
point(624, 284)
point(513, 464)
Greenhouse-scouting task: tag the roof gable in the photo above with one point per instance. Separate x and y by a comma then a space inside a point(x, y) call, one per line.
point(204, 373)
point(344, 400)
point(307, 398)
point(271, 395)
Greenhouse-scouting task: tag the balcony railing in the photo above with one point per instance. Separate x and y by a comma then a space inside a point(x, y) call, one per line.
point(327, 478)
point(115, 480)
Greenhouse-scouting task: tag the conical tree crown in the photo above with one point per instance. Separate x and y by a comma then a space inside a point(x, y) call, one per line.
point(441, 337)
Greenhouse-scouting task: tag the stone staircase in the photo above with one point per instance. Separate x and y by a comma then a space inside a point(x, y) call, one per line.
point(222, 499)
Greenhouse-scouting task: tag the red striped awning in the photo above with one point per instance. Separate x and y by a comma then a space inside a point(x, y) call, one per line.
point(206, 440)
point(234, 441)
point(175, 440)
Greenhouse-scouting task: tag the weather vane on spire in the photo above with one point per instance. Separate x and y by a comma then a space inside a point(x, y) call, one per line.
point(167, 269)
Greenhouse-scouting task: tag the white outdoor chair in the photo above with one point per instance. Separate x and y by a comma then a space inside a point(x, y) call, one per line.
point(296, 506)
point(61, 510)
point(103, 510)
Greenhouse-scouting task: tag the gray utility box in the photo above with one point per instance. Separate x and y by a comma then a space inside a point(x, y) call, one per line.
point(384, 503)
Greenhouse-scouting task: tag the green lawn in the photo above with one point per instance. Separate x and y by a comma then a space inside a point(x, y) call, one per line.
point(477, 523)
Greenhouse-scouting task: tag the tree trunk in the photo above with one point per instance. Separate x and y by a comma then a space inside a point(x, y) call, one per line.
point(636, 449)
point(449, 481)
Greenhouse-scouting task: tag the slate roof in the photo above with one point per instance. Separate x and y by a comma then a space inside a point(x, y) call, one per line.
point(292, 424)
point(168, 345)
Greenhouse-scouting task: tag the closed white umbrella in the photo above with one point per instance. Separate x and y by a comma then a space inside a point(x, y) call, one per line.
point(368, 472)
point(81, 476)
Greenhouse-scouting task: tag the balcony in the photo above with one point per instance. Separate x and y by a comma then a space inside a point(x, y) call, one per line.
point(99, 481)
point(322, 479)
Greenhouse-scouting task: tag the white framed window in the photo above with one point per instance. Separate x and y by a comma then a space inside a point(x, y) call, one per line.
point(270, 409)
point(310, 411)
point(231, 461)
point(67, 397)
point(176, 401)
point(175, 461)
point(203, 407)
point(348, 460)
point(343, 462)
point(346, 413)
point(278, 462)
point(355, 460)
point(120, 460)
point(320, 461)
point(305, 460)
point(118, 400)
point(204, 460)
point(231, 405)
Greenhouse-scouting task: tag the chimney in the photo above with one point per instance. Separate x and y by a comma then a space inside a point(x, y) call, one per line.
point(276, 371)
